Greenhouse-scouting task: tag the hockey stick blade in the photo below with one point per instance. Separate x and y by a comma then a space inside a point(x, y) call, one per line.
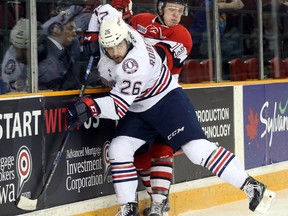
point(266, 202)
point(27, 204)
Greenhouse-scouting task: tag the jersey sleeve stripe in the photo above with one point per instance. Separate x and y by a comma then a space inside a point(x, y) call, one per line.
point(165, 77)
point(120, 113)
point(121, 105)
point(160, 85)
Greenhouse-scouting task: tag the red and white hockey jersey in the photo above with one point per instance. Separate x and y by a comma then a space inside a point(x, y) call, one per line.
point(176, 41)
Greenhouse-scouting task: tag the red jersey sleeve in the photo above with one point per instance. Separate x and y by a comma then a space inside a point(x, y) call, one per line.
point(175, 41)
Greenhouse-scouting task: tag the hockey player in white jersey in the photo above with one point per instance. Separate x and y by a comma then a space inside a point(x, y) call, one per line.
point(14, 65)
point(148, 102)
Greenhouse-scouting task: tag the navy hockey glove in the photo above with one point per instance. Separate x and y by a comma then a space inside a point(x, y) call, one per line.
point(91, 45)
point(81, 111)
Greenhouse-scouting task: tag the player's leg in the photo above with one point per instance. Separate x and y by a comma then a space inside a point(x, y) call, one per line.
point(218, 160)
point(155, 163)
point(142, 162)
point(131, 133)
point(186, 133)
point(169, 123)
point(124, 174)
point(225, 165)
point(161, 174)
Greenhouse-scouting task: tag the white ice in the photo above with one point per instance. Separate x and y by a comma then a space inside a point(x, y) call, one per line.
point(240, 208)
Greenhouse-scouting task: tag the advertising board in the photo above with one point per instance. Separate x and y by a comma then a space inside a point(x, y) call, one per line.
point(265, 110)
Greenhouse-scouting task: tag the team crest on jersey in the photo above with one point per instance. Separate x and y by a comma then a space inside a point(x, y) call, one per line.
point(153, 29)
point(130, 66)
point(10, 67)
point(155, 32)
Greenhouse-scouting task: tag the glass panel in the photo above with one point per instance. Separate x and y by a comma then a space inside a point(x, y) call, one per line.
point(275, 38)
point(14, 44)
point(62, 61)
point(231, 40)
point(239, 39)
point(201, 29)
point(64, 64)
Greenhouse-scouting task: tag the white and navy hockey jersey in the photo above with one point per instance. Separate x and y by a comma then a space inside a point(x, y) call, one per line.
point(137, 83)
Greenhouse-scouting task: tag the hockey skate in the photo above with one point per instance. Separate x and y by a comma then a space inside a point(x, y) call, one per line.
point(260, 198)
point(157, 208)
point(166, 208)
point(129, 209)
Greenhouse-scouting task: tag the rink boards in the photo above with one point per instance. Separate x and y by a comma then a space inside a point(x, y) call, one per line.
point(249, 120)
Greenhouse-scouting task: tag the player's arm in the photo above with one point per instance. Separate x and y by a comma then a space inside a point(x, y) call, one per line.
point(100, 13)
point(174, 65)
point(91, 45)
point(90, 37)
point(115, 106)
point(137, 19)
point(175, 51)
point(109, 107)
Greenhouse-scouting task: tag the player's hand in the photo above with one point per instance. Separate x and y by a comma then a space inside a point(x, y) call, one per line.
point(120, 4)
point(91, 45)
point(127, 14)
point(81, 111)
point(125, 6)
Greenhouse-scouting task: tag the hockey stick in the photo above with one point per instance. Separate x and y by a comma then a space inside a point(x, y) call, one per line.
point(31, 204)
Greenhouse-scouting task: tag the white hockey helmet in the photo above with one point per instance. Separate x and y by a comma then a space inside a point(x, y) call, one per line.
point(113, 30)
point(19, 36)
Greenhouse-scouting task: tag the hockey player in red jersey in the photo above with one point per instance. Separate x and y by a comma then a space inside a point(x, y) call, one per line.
point(173, 43)
point(172, 40)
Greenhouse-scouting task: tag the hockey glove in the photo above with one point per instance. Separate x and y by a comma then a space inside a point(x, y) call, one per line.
point(125, 6)
point(127, 14)
point(91, 45)
point(120, 4)
point(81, 111)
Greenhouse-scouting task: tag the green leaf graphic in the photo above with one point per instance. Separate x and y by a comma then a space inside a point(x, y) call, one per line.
point(283, 110)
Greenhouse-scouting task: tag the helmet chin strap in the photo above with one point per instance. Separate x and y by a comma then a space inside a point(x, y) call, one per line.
point(161, 19)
